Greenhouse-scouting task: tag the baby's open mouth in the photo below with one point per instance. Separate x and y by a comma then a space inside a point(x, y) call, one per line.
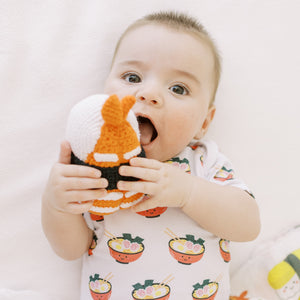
point(147, 130)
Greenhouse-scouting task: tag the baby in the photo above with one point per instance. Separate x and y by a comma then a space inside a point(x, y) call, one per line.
point(175, 243)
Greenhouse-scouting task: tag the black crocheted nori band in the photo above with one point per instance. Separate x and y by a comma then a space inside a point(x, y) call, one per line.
point(111, 174)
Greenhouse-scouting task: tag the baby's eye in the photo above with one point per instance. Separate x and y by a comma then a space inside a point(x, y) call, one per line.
point(132, 78)
point(179, 89)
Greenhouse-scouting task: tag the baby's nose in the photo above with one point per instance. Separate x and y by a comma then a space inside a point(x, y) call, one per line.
point(150, 100)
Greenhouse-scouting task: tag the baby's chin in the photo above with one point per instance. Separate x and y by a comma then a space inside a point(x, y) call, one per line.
point(159, 155)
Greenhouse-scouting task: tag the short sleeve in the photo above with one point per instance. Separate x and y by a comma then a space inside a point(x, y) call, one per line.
point(217, 167)
point(96, 225)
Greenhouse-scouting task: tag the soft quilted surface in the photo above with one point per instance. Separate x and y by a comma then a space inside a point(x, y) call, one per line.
point(54, 53)
point(272, 271)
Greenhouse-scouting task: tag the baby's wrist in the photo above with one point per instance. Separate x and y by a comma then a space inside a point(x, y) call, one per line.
point(191, 192)
point(51, 207)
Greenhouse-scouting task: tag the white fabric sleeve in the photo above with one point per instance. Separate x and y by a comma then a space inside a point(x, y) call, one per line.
point(96, 226)
point(218, 168)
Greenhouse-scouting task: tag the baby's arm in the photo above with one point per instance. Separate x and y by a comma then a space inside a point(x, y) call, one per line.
point(69, 193)
point(226, 211)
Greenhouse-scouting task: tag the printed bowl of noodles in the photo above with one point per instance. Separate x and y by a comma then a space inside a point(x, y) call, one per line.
point(100, 288)
point(187, 250)
point(224, 249)
point(151, 290)
point(205, 291)
point(126, 249)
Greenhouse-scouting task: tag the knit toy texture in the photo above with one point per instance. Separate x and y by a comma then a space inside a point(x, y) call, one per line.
point(103, 133)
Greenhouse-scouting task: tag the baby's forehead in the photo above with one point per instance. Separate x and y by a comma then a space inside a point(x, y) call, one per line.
point(141, 30)
point(157, 27)
point(154, 27)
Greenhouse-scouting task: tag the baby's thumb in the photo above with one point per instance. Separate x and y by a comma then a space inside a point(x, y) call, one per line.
point(65, 153)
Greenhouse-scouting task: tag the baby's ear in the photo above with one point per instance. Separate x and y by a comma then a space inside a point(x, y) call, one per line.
point(205, 125)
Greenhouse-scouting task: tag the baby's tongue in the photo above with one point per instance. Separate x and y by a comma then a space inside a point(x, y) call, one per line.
point(146, 130)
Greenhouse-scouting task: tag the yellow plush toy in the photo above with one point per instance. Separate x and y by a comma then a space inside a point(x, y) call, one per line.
point(103, 132)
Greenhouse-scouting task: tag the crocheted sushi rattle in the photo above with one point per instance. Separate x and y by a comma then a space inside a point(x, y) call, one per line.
point(103, 132)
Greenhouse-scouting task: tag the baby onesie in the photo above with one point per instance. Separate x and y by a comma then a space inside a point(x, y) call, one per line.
point(161, 253)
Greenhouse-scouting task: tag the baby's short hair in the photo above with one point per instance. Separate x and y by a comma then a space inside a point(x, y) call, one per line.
point(184, 22)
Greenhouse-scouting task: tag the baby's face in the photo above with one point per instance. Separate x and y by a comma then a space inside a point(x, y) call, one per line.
point(171, 75)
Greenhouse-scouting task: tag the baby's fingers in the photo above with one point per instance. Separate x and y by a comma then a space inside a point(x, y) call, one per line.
point(78, 171)
point(141, 173)
point(65, 153)
point(146, 204)
point(146, 163)
point(79, 208)
point(78, 183)
point(85, 195)
point(144, 187)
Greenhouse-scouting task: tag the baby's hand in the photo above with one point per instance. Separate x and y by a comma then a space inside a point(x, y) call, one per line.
point(166, 185)
point(72, 188)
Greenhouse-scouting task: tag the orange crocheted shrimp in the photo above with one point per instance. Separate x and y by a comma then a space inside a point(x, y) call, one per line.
point(103, 133)
point(118, 141)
